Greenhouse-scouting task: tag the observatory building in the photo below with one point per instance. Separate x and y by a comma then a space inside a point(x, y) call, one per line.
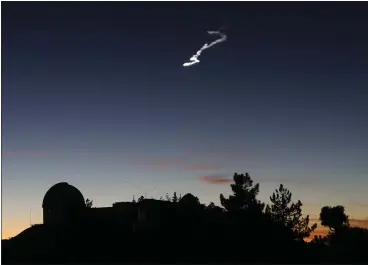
point(64, 205)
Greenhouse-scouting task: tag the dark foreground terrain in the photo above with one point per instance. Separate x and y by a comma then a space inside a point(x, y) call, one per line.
point(243, 230)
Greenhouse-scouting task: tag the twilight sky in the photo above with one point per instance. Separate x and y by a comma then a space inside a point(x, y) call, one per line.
point(94, 93)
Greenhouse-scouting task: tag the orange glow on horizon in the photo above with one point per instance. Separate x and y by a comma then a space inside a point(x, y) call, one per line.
point(13, 231)
point(323, 231)
point(320, 231)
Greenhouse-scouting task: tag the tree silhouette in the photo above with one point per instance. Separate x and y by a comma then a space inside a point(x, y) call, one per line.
point(189, 200)
point(175, 198)
point(334, 217)
point(188, 231)
point(89, 203)
point(167, 197)
point(320, 240)
point(245, 195)
point(211, 206)
point(283, 210)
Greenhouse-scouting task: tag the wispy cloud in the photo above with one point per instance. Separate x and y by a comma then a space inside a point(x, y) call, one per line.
point(216, 179)
point(323, 231)
point(359, 222)
point(25, 153)
point(162, 162)
point(199, 167)
point(360, 204)
point(226, 179)
point(167, 161)
point(297, 180)
point(182, 162)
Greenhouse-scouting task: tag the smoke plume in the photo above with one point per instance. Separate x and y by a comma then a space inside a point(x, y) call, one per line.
point(194, 59)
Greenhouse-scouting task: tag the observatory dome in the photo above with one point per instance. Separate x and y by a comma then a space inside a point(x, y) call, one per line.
point(63, 195)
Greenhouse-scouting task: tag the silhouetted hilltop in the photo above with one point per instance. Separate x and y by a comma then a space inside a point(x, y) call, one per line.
point(181, 229)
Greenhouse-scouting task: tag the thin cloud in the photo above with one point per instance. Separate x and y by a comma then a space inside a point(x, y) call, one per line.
point(359, 223)
point(305, 181)
point(204, 167)
point(183, 162)
point(164, 162)
point(25, 153)
point(353, 222)
point(226, 179)
point(216, 179)
point(323, 231)
point(360, 204)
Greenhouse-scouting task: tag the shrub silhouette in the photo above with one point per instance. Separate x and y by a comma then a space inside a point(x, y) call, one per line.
point(89, 203)
point(182, 229)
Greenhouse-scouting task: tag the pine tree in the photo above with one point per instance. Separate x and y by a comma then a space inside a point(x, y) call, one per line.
point(284, 211)
point(244, 198)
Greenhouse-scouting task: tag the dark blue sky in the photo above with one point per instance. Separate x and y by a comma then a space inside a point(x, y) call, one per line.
point(94, 93)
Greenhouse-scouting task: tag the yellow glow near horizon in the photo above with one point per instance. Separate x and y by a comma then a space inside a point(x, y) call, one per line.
point(18, 227)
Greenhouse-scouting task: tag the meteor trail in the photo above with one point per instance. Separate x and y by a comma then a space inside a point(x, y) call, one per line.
point(194, 59)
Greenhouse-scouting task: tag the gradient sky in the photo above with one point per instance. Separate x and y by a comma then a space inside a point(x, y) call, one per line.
point(95, 94)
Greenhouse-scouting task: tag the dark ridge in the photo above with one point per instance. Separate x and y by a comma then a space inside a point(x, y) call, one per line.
point(179, 229)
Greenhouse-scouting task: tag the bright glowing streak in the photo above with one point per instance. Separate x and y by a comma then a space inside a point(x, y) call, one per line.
point(194, 59)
